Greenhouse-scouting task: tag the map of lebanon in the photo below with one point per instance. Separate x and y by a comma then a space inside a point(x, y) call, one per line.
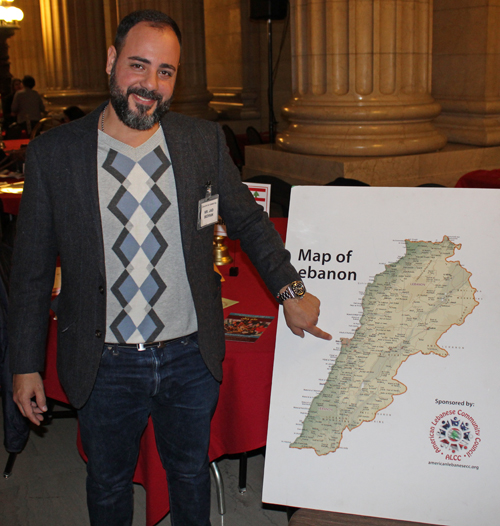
point(406, 310)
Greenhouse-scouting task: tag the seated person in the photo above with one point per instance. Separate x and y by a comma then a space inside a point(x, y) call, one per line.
point(27, 105)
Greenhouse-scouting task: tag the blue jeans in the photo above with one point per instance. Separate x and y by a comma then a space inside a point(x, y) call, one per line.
point(172, 384)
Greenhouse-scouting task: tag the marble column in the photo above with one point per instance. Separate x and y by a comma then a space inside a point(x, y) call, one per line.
point(111, 20)
point(233, 61)
point(361, 79)
point(191, 94)
point(466, 70)
point(75, 52)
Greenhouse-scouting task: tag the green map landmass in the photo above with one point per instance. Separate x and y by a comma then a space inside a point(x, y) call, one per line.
point(406, 310)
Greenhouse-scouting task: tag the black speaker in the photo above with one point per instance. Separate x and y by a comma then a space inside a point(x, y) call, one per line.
point(268, 9)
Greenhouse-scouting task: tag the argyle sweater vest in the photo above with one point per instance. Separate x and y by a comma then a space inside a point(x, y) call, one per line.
point(148, 294)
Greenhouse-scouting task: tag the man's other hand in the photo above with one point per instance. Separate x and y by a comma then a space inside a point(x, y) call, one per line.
point(26, 387)
point(302, 315)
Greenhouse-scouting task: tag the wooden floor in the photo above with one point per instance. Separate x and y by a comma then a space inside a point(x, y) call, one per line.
point(47, 487)
point(323, 518)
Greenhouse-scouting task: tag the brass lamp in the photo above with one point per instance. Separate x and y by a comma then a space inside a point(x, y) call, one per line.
point(9, 24)
point(221, 252)
point(9, 15)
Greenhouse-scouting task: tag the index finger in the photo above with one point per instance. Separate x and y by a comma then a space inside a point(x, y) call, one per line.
point(316, 331)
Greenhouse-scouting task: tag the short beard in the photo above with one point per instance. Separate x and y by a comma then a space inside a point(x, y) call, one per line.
point(140, 120)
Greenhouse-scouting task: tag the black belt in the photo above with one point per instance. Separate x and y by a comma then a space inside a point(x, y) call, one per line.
point(144, 346)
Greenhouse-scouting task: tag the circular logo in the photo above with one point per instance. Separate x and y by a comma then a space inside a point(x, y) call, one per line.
point(455, 434)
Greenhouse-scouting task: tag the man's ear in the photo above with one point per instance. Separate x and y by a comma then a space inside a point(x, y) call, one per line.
point(111, 59)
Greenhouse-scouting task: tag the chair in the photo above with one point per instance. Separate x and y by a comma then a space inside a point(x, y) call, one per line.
point(344, 181)
point(280, 193)
point(13, 161)
point(253, 136)
point(16, 428)
point(234, 149)
point(15, 131)
point(43, 125)
point(480, 179)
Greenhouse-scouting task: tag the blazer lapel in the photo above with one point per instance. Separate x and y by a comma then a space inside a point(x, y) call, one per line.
point(86, 177)
point(176, 142)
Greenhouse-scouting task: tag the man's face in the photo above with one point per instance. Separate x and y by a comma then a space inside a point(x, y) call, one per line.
point(142, 77)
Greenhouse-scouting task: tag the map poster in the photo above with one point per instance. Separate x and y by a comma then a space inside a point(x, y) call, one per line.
point(397, 416)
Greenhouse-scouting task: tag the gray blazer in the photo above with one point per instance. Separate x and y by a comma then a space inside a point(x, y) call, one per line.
point(59, 215)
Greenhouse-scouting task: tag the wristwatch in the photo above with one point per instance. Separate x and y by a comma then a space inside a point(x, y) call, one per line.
point(296, 289)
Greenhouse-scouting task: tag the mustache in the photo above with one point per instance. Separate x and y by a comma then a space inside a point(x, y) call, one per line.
point(145, 93)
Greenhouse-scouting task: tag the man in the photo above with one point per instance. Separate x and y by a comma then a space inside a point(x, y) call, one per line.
point(27, 105)
point(120, 196)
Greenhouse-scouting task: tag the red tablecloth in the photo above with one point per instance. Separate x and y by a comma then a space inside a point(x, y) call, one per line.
point(11, 203)
point(240, 421)
point(15, 144)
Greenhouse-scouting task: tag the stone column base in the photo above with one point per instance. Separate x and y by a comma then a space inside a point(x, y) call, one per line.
point(347, 128)
point(480, 130)
point(443, 167)
point(362, 139)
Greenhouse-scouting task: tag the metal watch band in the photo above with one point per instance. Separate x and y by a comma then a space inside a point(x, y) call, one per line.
point(289, 292)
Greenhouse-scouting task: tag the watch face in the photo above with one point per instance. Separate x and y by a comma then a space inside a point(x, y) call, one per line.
point(298, 288)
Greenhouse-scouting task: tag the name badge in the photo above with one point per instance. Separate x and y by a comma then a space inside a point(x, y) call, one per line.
point(208, 209)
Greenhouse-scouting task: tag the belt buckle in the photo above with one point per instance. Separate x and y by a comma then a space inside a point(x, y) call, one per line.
point(141, 347)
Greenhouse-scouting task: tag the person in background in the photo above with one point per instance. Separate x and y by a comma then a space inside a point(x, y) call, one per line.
point(125, 196)
point(71, 113)
point(8, 119)
point(27, 105)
